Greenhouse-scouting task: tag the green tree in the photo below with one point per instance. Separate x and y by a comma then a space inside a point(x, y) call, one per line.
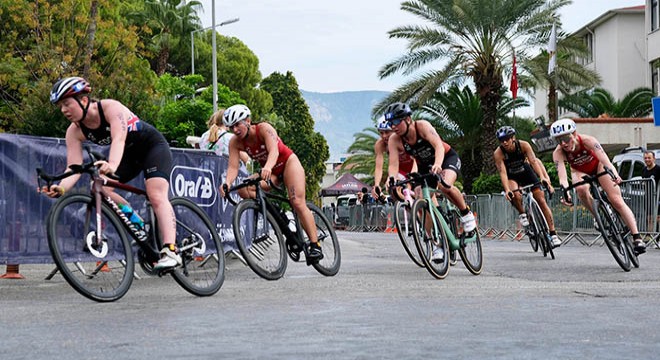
point(298, 130)
point(600, 102)
point(474, 39)
point(457, 116)
point(362, 158)
point(167, 25)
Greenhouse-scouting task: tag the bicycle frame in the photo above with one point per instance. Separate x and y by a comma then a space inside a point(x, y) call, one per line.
point(427, 194)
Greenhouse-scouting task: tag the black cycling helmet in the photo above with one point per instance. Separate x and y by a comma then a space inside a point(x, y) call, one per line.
point(505, 132)
point(397, 110)
point(68, 87)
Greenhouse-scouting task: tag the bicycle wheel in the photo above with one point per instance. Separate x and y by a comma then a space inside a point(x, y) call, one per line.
point(532, 234)
point(426, 243)
point(611, 235)
point(260, 242)
point(329, 265)
point(627, 238)
point(471, 252)
point(543, 230)
point(404, 228)
point(203, 270)
point(99, 270)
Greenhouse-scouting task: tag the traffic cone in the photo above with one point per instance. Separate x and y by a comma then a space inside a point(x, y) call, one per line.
point(12, 272)
point(390, 228)
point(104, 268)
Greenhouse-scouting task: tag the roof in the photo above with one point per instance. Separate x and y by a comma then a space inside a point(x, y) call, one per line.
point(346, 184)
point(639, 9)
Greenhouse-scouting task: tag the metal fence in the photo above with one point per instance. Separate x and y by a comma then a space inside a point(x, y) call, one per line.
point(497, 218)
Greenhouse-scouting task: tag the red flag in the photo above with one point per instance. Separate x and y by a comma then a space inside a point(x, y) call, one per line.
point(514, 79)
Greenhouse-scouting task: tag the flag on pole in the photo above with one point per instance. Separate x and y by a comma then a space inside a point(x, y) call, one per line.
point(514, 79)
point(552, 50)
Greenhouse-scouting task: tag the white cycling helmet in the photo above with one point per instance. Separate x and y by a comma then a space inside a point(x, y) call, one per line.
point(234, 114)
point(562, 127)
point(383, 125)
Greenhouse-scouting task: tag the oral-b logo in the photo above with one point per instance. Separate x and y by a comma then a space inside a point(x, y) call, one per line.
point(195, 184)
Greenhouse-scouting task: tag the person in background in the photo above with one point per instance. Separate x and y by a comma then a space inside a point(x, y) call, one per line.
point(217, 137)
point(652, 171)
point(406, 162)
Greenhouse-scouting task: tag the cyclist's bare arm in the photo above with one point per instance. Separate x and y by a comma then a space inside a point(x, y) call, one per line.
point(592, 143)
point(379, 150)
point(233, 163)
point(498, 156)
point(428, 133)
point(393, 145)
point(268, 133)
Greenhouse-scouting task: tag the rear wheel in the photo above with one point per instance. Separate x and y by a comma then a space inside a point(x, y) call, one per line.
point(99, 269)
point(427, 240)
point(612, 235)
point(325, 233)
point(532, 233)
point(203, 270)
point(259, 240)
point(471, 252)
point(403, 219)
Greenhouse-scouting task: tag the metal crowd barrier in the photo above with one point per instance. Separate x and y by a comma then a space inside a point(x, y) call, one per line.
point(497, 218)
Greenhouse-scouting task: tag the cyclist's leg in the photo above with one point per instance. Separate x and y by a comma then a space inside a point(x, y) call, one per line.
point(616, 200)
point(294, 180)
point(582, 191)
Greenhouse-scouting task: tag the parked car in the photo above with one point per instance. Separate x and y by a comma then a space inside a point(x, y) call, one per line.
point(630, 162)
point(344, 202)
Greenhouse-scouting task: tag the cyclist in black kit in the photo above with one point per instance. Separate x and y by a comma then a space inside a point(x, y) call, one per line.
point(135, 146)
point(518, 166)
point(420, 140)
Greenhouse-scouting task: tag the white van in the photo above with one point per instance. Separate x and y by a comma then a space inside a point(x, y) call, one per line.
point(344, 202)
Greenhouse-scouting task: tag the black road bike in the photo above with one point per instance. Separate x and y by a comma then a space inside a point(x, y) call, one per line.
point(87, 236)
point(537, 230)
point(264, 233)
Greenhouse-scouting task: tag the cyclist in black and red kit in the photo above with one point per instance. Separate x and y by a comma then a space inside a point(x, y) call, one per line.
point(420, 140)
point(135, 146)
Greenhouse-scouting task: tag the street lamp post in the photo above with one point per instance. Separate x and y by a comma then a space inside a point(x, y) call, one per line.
point(215, 56)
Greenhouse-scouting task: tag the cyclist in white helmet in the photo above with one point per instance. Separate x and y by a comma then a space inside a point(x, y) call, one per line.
point(586, 156)
point(278, 163)
point(406, 162)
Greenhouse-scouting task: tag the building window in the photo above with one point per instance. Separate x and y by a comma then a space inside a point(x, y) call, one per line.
point(589, 42)
point(655, 15)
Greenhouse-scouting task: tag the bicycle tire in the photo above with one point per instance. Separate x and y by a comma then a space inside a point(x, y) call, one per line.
point(102, 273)
point(404, 228)
point(425, 244)
point(627, 237)
point(611, 236)
point(543, 230)
point(532, 234)
point(202, 272)
point(266, 254)
point(325, 233)
point(471, 252)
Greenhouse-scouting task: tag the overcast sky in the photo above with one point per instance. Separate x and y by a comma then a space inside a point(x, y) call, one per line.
point(339, 45)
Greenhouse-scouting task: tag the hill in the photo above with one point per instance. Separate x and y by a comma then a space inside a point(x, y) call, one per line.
point(338, 116)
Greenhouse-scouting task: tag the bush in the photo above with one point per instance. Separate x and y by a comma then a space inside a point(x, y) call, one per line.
point(487, 184)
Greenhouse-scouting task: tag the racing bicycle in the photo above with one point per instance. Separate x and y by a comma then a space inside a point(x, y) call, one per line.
point(88, 236)
point(537, 230)
point(615, 233)
point(264, 233)
point(440, 227)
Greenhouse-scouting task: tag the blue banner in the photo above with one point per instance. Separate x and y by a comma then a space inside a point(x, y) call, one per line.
point(196, 175)
point(655, 102)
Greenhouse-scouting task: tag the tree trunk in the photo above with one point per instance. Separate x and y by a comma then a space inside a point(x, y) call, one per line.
point(552, 103)
point(161, 64)
point(470, 168)
point(91, 33)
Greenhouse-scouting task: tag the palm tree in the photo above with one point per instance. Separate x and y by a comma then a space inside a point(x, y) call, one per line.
point(600, 102)
point(171, 22)
point(457, 116)
point(567, 76)
point(475, 40)
point(362, 158)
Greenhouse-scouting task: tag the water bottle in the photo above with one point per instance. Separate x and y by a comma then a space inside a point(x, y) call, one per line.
point(132, 216)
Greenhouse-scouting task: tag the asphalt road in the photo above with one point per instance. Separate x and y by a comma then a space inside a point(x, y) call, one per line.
point(379, 306)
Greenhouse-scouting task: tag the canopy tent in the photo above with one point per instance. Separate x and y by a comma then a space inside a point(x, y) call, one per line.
point(346, 184)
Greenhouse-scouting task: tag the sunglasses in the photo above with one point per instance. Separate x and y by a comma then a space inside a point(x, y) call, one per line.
point(395, 122)
point(564, 139)
point(505, 139)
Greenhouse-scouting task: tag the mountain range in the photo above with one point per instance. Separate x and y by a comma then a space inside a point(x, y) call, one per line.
point(340, 115)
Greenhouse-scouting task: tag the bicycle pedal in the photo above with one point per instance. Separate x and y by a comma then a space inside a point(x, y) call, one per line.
point(164, 272)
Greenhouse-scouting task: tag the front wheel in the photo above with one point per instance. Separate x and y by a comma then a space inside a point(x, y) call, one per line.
point(471, 252)
point(99, 269)
point(430, 239)
point(329, 265)
point(543, 230)
point(259, 240)
point(203, 270)
point(403, 219)
point(612, 235)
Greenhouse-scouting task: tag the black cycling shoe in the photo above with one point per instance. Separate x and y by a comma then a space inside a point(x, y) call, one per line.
point(314, 253)
point(639, 246)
